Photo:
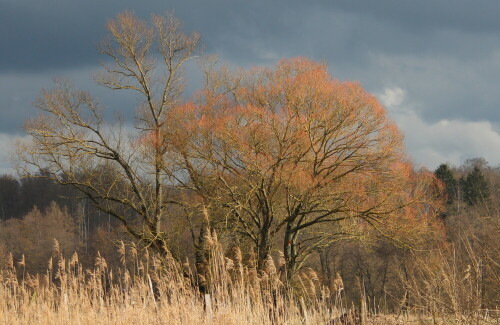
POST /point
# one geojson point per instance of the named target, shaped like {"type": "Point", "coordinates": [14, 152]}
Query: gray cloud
{"type": "Point", "coordinates": [444, 54]}
{"type": "Point", "coordinates": [463, 15]}
{"type": "Point", "coordinates": [447, 140]}
{"type": "Point", "coordinates": [57, 33]}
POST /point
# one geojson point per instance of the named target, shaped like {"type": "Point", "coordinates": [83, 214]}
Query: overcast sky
{"type": "Point", "coordinates": [435, 65]}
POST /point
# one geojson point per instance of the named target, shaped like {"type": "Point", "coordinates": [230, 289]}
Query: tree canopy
{"type": "Point", "coordinates": [287, 152]}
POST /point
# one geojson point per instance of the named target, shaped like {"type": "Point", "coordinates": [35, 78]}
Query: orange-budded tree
{"type": "Point", "coordinates": [287, 152]}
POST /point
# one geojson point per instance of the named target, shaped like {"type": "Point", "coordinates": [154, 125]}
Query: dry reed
{"type": "Point", "coordinates": [153, 290]}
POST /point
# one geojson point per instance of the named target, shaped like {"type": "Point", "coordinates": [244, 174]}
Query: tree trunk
{"type": "Point", "coordinates": [324, 258]}
{"type": "Point", "coordinates": [290, 252]}
{"type": "Point", "coordinates": [263, 247]}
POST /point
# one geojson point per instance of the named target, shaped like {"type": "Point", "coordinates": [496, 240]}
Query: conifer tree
{"type": "Point", "coordinates": [474, 187]}
{"type": "Point", "coordinates": [444, 173]}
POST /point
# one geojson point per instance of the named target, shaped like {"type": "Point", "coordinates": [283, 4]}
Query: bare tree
{"type": "Point", "coordinates": [109, 163]}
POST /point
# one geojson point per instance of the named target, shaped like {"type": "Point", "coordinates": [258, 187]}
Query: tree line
{"type": "Point", "coordinates": [471, 186]}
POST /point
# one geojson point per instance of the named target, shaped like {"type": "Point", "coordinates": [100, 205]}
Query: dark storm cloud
{"type": "Point", "coordinates": [50, 34]}
{"type": "Point", "coordinates": [45, 34]}
{"type": "Point", "coordinates": [464, 15]}
{"type": "Point", "coordinates": [62, 33]}
{"type": "Point", "coordinates": [444, 54]}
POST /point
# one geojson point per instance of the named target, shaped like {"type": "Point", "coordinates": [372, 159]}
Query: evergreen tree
{"type": "Point", "coordinates": [444, 173]}
{"type": "Point", "coordinates": [474, 187]}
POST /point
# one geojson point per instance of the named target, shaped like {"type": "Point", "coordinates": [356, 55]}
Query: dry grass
{"type": "Point", "coordinates": [147, 290]}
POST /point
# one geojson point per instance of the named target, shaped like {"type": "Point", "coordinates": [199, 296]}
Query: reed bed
{"type": "Point", "coordinates": [147, 289]}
